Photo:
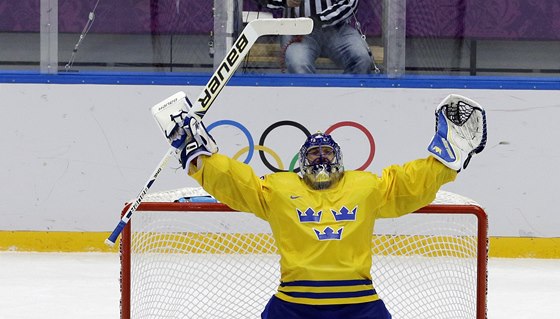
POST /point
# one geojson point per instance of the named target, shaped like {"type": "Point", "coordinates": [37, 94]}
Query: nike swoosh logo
{"type": "Point", "coordinates": [294, 197]}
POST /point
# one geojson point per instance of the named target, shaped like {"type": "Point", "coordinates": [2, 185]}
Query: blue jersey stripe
{"type": "Point", "coordinates": [326, 283]}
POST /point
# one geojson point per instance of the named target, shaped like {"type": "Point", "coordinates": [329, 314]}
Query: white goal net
{"type": "Point", "coordinates": [202, 260]}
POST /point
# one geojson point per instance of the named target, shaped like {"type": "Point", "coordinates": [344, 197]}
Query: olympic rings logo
{"type": "Point", "coordinates": [262, 148]}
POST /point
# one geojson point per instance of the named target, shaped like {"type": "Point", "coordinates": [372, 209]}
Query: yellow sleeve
{"type": "Point", "coordinates": [412, 186]}
{"type": "Point", "coordinates": [231, 182]}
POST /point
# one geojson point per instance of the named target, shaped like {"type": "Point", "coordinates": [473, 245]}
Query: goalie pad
{"type": "Point", "coordinates": [188, 136]}
{"type": "Point", "coordinates": [460, 131]}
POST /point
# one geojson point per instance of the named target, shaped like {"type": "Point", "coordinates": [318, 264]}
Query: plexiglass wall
{"type": "Point", "coordinates": [426, 37]}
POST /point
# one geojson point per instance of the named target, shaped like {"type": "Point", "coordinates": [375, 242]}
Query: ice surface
{"type": "Point", "coordinates": [85, 285]}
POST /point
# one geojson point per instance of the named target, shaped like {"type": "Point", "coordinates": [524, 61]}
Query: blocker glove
{"type": "Point", "coordinates": [183, 131]}
{"type": "Point", "coordinates": [193, 138]}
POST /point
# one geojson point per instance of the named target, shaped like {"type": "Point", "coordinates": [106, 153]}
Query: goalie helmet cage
{"type": "Point", "coordinates": [204, 260]}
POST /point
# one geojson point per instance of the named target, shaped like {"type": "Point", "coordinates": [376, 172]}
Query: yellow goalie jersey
{"type": "Point", "coordinates": [324, 237]}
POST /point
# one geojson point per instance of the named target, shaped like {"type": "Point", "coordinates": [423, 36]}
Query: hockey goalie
{"type": "Point", "coordinates": [322, 219]}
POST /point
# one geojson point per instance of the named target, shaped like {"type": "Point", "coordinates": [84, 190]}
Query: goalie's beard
{"type": "Point", "coordinates": [322, 176]}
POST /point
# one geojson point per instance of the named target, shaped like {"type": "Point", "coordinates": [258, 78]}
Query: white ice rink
{"type": "Point", "coordinates": [85, 285]}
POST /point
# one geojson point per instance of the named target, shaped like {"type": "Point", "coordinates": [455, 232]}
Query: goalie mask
{"type": "Point", "coordinates": [320, 161]}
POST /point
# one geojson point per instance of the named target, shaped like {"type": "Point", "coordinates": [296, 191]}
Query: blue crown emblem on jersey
{"type": "Point", "coordinates": [329, 234]}
{"type": "Point", "coordinates": [309, 216]}
{"type": "Point", "coordinates": [345, 214]}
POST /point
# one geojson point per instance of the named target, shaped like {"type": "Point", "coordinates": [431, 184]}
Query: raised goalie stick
{"type": "Point", "coordinates": [217, 82]}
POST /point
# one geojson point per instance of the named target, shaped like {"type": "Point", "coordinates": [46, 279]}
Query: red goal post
{"type": "Point", "coordinates": [204, 260]}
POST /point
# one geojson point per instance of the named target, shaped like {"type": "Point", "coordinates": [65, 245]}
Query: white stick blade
{"type": "Point", "coordinates": [282, 26]}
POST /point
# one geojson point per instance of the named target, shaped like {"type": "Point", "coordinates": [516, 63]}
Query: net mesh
{"type": "Point", "coordinates": [201, 264]}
